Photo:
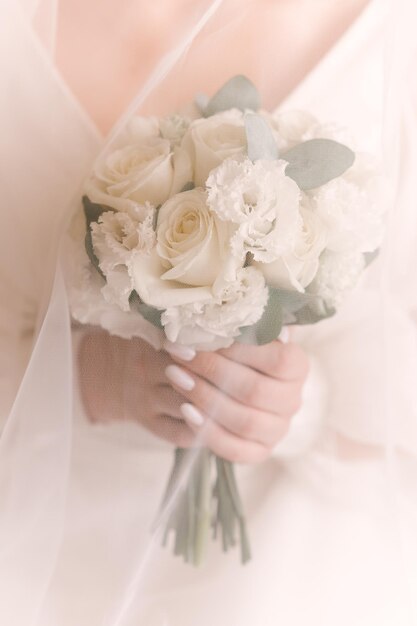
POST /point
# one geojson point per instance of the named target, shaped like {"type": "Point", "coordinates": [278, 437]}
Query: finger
{"type": "Point", "coordinates": [244, 422]}
{"type": "Point", "coordinates": [167, 401]}
{"type": "Point", "coordinates": [173, 430]}
{"type": "Point", "coordinates": [151, 364]}
{"type": "Point", "coordinates": [286, 362]}
{"type": "Point", "coordinates": [243, 384]}
{"type": "Point", "coordinates": [228, 446]}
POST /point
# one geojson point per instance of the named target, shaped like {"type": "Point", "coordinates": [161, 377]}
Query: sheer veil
{"type": "Point", "coordinates": [40, 441]}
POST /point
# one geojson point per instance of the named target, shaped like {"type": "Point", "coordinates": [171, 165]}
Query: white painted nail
{"type": "Point", "coordinates": [191, 414]}
{"type": "Point", "coordinates": [185, 353]}
{"type": "Point", "coordinates": [284, 335]}
{"type": "Point", "coordinates": [180, 378]}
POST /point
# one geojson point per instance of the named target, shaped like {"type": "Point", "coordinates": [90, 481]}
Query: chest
{"type": "Point", "coordinates": [106, 51]}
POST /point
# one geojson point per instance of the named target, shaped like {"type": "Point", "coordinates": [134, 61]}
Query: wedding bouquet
{"type": "Point", "coordinates": [220, 228]}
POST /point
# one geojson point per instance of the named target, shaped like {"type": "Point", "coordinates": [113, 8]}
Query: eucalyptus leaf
{"type": "Point", "coordinates": [269, 326]}
{"type": "Point", "coordinates": [238, 93]}
{"type": "Point", "coordinates": [370, 257]}
{"type": "Point", "coordinates": [261, 141]}
{"type": "Point", "coordinates": [292, 301]}
{"type": "Point", "coordinates": [249, 259]}
{"type": "Point", "coordinates": [308, 315]}
{"type": "Point", "coordinates": [155, 218]}
{"type": "Point", "coordinates": [92, 212]}
{"type": "Point", "coordinates": [150, 314]}
{"type": "Point", "coordinates": [188, 186]}
{"type": "Point", "coordinates": [316, 162]}
{"type": "Point", "coordinates": [201, 101]}
{"type": "Point", "coordinates": [247, 335]}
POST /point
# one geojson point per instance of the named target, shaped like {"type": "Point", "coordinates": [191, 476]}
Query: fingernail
{"type": "Point", "coordinates": [184, 353]}
{"type": "Point", "coordinates": [180, 378]}
{"type": "Point", "coordinates": [284, 335]}
{"type": "Point", "coordinates": [191, 414]}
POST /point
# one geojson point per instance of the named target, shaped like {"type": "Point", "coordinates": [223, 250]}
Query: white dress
{"type": "Point", "coordinates": [325, 551]}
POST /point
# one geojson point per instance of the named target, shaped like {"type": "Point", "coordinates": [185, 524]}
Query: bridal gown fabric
{"type": "Point", "coordinates": [332, 542]}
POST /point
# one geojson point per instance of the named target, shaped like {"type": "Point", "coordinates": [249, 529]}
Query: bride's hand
{"type": "Point", "coordinates": [239, 400]}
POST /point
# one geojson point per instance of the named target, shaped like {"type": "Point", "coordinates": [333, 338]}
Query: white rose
{"type": "Point", "coordinates": [214, 324]}
{"type": "Point", "coordinates": [147, 171]}
{"type": "Point", "coordinates": [212, 140]}
{"type": "Point", "coordinates": [192, 252]}
{"type": "Point", "coordinates": [352, 208]}
{"type": "Point", "coordinates": [170, 127]}
{"type": "Point", "coordinates": [294, 127]}
{"type": "Point", "coordinates": [338, 274]}
{"type": "Point", "coordinates": [139, 128]}
{"type": "Point", "coordinates": [262, 201]}
{"type": "Point", "coordinates": [291, 126]}
{"type": "Point", "coordinates": [297, 268]}
{"type": "Point", "coordinates": [116, 237]}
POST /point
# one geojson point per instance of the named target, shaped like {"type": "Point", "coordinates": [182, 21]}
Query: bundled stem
{"type": "Point", "coordinates": [204, 499]}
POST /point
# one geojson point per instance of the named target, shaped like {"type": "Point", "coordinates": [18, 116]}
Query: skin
{"type": "Point", "coordinates": [106, 43]}
{"type": "Point", "coordinates": [246, 395]}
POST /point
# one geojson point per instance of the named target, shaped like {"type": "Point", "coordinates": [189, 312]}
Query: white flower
{"type": "Point", "coordinates": [338, 274]}
{"type": "Point", "coordinates": [352, 208]}
{"type": "Point", "coordinates": [116, 237]}
{"type": "Point", "coordinates": [294, 127]}
{"type": "Point", "coordinates": [139, 128]}
{"type": "Point", "coordinates": [88, 306]}
{"type": "Point", "coordinates": [147, 171]}
{"type": "Point", "coordinates": [214, 324]}
{"type": "Point", "coordinates": [173, 128]}
{"type": "Point", "coordinates": [211, 140]}
{"type": "Point", "coordinates": [192, 252]}
{"type": "Point", "coordinates": [262, 201]}
{"type": "Point", "coordinates": [291, 126]}
{"type": "Point", "coordinates": [297, 268]}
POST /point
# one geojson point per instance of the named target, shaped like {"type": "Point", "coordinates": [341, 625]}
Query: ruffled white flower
{"type": "Point", "coordinates": [337, 275]}
{"type": "Point", "coordinates": [352, 208]}
{"type": "Point", "coordinates": [147, 171]}
{"type": "Point", "coordinates": [213, 324]}
{"type": "Point", "coordinates": [116, 237]}
{"type": "Point", "coordinates": [297, 268]}
{"type": "Point", "coordinates": [87, 304]}
{"type": "Point", "coordinates": [262, 201]}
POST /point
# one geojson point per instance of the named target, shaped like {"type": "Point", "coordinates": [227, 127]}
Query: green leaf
{"type": "Point", "coordinates": [370, 257]}
{"type": "Point", "coordinates": [238, 93]}
{"type": "Point", "coordinates": [188, 186]}
{"type": "Point", "coordinates": [308, 315]}
{"type": "Point", "coordinates": [155, 218]}
{"type": "Point", "coordinates": [92, 214]}
{"type": "Point", "coordinates": [261, 141]}
{"type": "Point", "coordinates": [150, 314]}
{"type": "Point", "coordinates": [201, 101]}
{"type": "Point", "coordinates": [314, 163]}
{"type": "Point", "coordinates": [92, 211]}
{"type": "Point", "coordinates": [292, 301]}
{"type": "Point", "coordinates": [269, 326]}
{"type": "Point", "coordinates": [248, 259]}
